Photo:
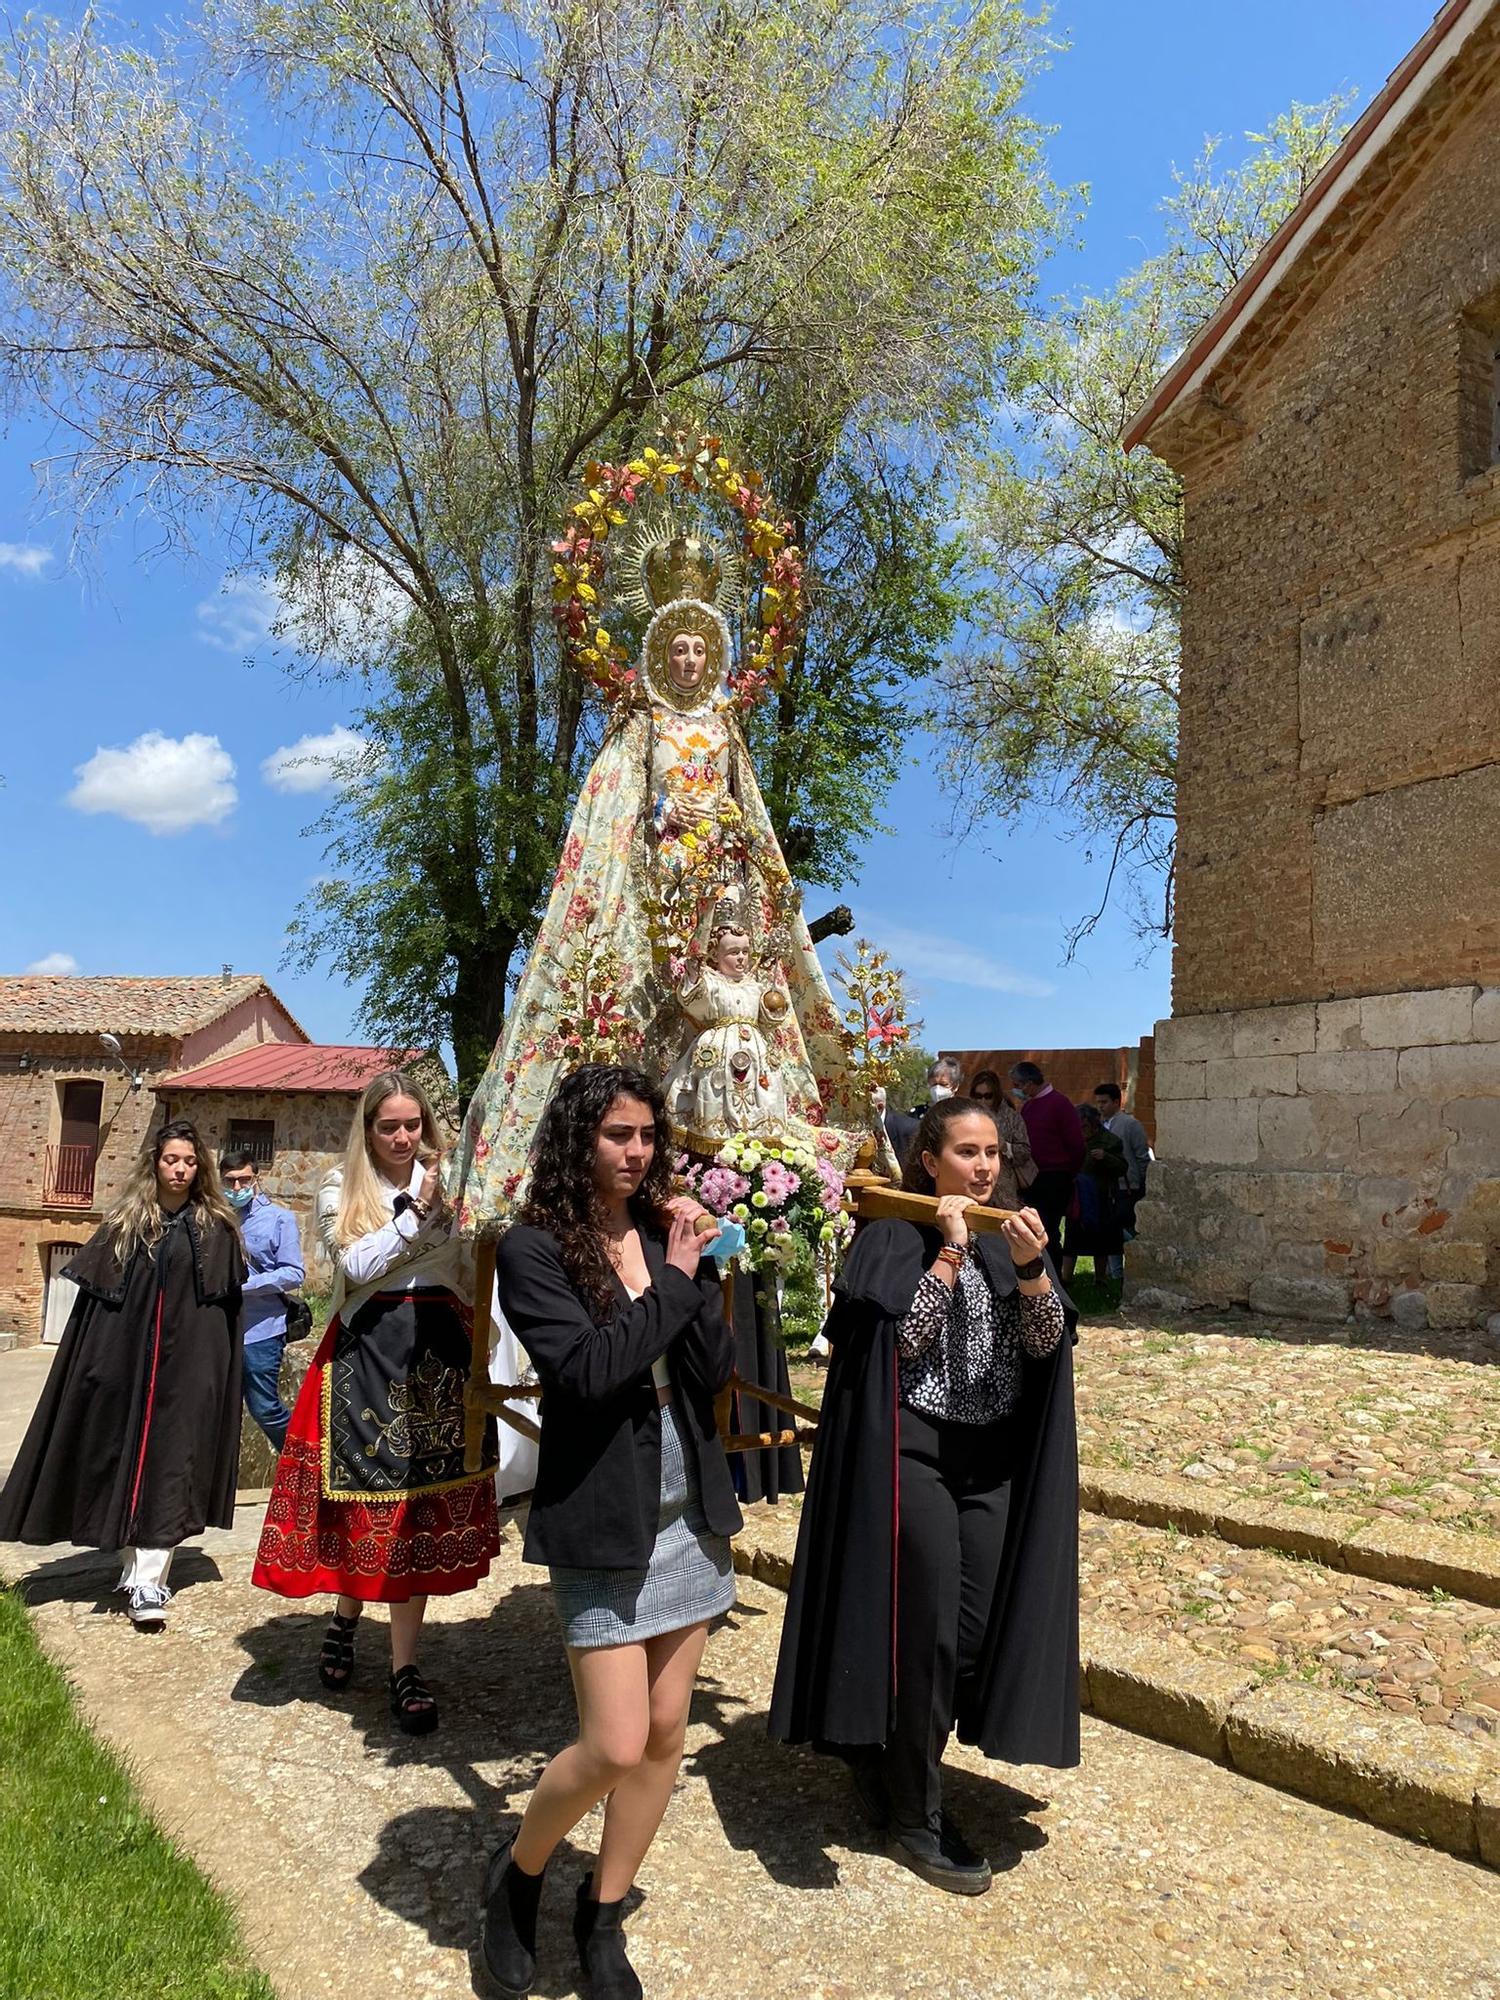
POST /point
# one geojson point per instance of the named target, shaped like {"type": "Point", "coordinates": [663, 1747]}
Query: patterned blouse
{"type": "Point", "coordinates": [960, 1352]}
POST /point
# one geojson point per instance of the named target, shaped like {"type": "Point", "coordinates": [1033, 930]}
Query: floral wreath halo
{"type": "Point", "coordinates": [776, 580]}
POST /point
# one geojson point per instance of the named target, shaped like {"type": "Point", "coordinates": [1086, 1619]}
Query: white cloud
{"type": "Point", "coordinates": [162, 783]}
{"type": "Point", "coordinates": [58, 962]}
{"type": "Point", "coordinates": [313, 763]}
{"type": "Point", "coordinates": [927, 955]}
{"type": "Point", "coordinates": [242, 616]}
{"type": "Point", "coordinates": [343, 609]}
{"type": "Point", "coordinates": [24, 558]}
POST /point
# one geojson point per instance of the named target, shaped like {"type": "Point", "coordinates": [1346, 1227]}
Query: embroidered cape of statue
{"type": "Point", "coordinates": [670, 845]}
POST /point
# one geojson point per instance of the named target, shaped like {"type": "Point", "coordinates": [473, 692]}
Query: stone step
{"type": "Point", "coordinates": [1331, 1743]}
{"type": "Point", "coordinates": [1369, 1544]}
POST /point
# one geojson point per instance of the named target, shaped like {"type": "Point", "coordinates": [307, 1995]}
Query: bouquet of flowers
{"type": "Point", "coordinates": [782, 1196]}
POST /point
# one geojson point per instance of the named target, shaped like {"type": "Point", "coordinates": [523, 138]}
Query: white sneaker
{"type": "Point", "coordinates": [148, 1606]}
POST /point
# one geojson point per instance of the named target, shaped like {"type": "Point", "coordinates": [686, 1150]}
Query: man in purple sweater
{"type": "Point", "coordinates": [1056, 1135]}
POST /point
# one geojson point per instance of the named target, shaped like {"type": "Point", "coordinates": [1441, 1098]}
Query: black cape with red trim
{"type": "Point", "coordinates": [835, 1680]}
{"type": "Point", "coordinates": [136, 1439]}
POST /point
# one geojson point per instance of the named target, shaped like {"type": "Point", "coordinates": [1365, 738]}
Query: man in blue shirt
{"type": "Point", "coordinates": [274, 1255]}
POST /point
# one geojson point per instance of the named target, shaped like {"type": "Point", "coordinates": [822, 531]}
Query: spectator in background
{"type": "Point", "coordinates": [1094, 1227]}
{"type": "Point", "coordinates": [1056, 1137]}
{"type": "Point", "coordinates": [943, 1078]}
{"type": "Point", "coordinates": [274, 1255]}
{"type": "Point", "coordinates": [1131, 1134]}
{"type": "Point", "coordinates": [1017, 1168]}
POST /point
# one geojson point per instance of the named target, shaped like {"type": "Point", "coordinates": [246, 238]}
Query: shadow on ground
{"type": "Point", "coordinates": [507, 1706]}
{"type": "Point", "coordinates": [93, 1573]}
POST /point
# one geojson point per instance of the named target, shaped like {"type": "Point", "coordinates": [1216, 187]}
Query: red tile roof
{"type": "Point", "coordinates": [54, 1004]}
{"type": "Point", "coordinates": [292, 1066]}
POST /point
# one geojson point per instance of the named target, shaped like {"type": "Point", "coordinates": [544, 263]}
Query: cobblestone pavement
{"type": "Point", "coordinates": [355, 1855]}
{"type": "Point", "coordinates": [1273, 1410]}
{"type": "Point", "coordinates": [1282, 1412]}
{"type": "Point", "coordinates": [1413, 1652]}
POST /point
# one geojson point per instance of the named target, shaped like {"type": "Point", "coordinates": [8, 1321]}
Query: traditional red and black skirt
{"type": "Point", "coordinates": [371, 1497]}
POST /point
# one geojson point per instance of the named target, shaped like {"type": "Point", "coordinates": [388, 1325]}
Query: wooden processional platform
{"type": "Point", "coordinates": [868, 1197]}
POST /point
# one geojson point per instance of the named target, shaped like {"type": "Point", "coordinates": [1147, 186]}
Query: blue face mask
{"type": "Point", "coordinates": [240, 1197]}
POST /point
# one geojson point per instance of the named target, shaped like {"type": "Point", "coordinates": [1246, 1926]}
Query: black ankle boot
{"type": "Point", "coordinates": [511, 1897]}
{"type": "Point", "coordinates": [601, 1946]}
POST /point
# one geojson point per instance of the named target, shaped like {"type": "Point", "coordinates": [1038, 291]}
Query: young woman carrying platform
{"type": "Point", "coordinates": [605, 1282]}
{"type": "Point", "coordinates": [936, 1577]}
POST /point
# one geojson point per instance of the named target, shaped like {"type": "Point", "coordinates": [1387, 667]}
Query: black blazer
{"type": "Point", "coordinates": [598, 1476]}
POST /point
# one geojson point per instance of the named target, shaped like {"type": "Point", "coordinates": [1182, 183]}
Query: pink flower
{"type": "Point", "coordinates": [779, 1184]}
{"type": "Point", "coordinates": [721, 1187]}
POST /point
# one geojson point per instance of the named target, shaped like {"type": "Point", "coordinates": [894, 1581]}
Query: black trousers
{"type": "Point", "coordinates": [1051, 1195]}
{"type": "Point", "coordinates": [955, 1496]}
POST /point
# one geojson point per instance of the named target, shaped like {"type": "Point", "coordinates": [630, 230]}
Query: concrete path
{"type": "Point", "coordinates": [355, 1856]}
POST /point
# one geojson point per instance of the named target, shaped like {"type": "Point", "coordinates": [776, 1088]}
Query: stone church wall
{"type": "Point", "coordinates": [1328, 1091]}
{"type": "Point", "coordinates": [1328, 1159]}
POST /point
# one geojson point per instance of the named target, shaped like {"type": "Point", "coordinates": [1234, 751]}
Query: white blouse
{"type": "Point", "coordinates": [403, 1255]}
{"type": "Point", "coordinates": [660, 1374]}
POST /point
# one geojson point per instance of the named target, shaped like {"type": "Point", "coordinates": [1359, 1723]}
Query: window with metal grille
{"type": "Point", "coordinates": [256, 1135]}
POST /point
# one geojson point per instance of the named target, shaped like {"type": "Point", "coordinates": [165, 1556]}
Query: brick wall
{"type": "Point", "coordinates": [1076, 1071]}
{"type": "Point", "coordinates": [1339, 767]}
{"type": "Point", "coordinates": [30, 1110]}
{"type": "Point", "coordinates": [311, 1130]}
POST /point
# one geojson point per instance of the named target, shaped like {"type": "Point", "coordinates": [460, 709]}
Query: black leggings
{"type": "Point", "coordinates": [955, 1496]}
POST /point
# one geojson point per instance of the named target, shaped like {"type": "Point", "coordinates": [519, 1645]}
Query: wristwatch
{"type": "Point", "coordinates": [1026, 1272]}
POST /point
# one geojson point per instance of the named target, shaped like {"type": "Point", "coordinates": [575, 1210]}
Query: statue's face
{"type": "Point", "coordinates": [732, 957]}
{"type": "Point", "coordinates": [687, 660]}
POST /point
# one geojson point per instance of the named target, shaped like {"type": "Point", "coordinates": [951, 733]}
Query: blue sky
{"type": "Point", "coordinates": [132, 642]}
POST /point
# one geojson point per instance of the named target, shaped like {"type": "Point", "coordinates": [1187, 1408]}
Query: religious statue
{"type": "Point", "coordinates": [728, 1080]}
{"type": "Point", "coordinates": [670, 831]}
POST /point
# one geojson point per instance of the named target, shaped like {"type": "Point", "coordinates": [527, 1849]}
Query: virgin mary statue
{"type": "Point", "coordinates": [673, 933]}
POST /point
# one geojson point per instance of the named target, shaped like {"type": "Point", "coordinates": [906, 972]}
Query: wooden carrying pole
{"type": "Point", "coordinates": [875, 1199]}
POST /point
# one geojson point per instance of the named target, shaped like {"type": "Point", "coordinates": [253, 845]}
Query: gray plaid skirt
{"type": "Point", "coordinates": [689, 1578]}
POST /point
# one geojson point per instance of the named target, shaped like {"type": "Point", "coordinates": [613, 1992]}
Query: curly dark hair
{"type": "Point", "coordinates": [563, 1198]}
{"type": "Point", "coordinates": [929, 1139]}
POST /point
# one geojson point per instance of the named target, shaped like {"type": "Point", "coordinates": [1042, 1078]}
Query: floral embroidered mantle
{"type": "Point", "coordinates": [668, 817]}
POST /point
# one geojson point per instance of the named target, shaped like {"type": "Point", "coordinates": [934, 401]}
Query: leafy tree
{"type": "Point", "coordinates": [1066, 701]}
{"type": "Point", "coordinates": [368, 282]}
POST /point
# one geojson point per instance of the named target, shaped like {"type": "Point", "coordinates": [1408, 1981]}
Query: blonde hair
{"type": "Point", "coordinates": [361, 1208]}
{"type": "Point", "coordinates": [138, 1217]}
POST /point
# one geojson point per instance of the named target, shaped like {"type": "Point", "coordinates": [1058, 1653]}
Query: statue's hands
{"type": "Point", "coordinates": [683, 815]}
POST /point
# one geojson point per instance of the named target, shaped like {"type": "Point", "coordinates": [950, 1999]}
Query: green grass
{"type": "Point", "coordinates": [95, 1902]}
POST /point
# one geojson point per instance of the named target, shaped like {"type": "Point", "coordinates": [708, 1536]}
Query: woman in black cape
{"type": "Point", "coordinates": [135, 1442]}
{"type": "Point", "coordinates": [936, 1578]}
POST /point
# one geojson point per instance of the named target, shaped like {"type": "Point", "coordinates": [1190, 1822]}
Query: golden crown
{"type": "Point", "coordinates": [682, 567]}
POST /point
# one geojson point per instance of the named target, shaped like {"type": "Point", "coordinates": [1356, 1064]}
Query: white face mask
{"type": "Point", "coordinates": [936, 1092]}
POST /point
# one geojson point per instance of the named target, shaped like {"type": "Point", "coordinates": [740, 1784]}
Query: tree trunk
{"type": "Point", "coordinates": [477, 1009]}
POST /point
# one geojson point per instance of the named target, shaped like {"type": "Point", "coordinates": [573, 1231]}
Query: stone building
{"type": "Point", "coordinates": [291, 1104]}
{"type": "Point", "coordinates": [1328, 1088]}
{"type": "Point", "coordinates": [73, 1115]}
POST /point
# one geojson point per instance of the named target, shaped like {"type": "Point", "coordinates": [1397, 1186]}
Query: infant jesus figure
{"type": "Point", "coordinates": [728, 1080]}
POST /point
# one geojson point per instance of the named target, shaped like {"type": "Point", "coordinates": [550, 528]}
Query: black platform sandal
{"type": "Point", "coordinates": [412, 1703]}
{"type": "Point", "coordinates": [336, 1659]}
